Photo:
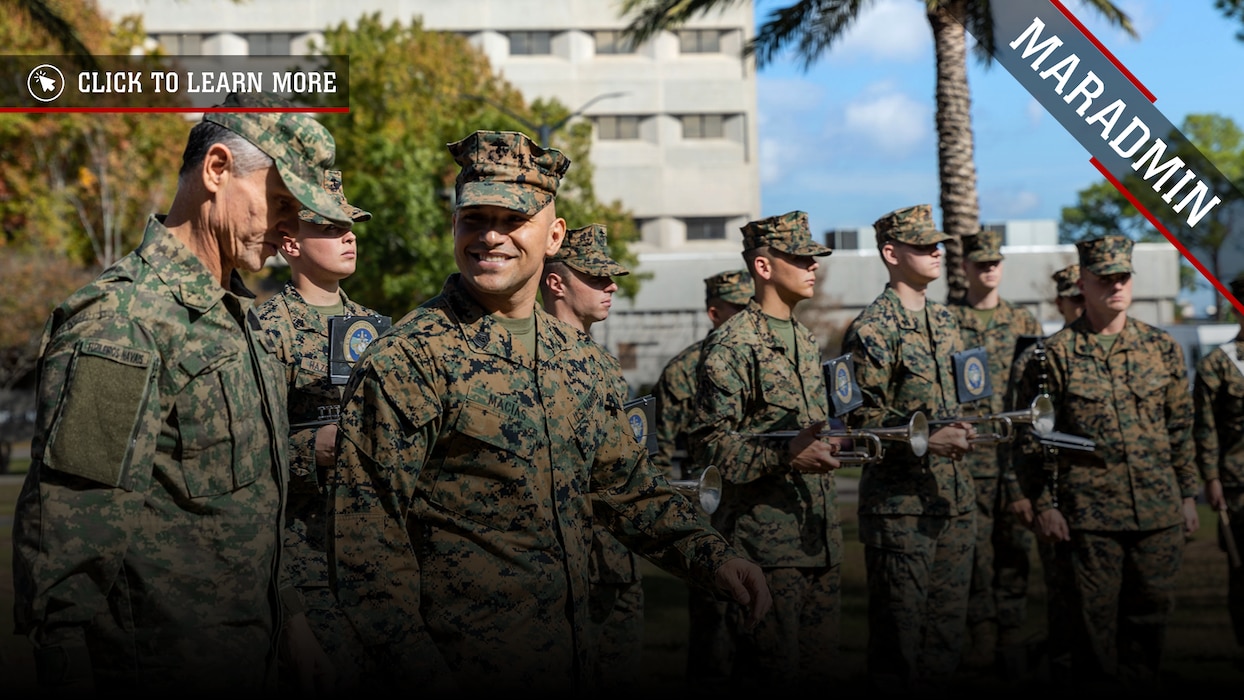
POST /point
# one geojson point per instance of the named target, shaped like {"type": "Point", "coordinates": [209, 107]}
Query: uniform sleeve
{"type": "Point", "coordinates": [721, 406]}
{"type": "Point", "coordinates": [1179, 420]}
{"type": "Point", "coordinates": [99, 417]}
{"type": "Point", "coordinates": [671, 413]}
{"type": "Point", "coordinates": [390, 416]}
{"type": "Point", "coordinates": [1205, 423]}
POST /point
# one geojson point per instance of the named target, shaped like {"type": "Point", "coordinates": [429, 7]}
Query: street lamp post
{"type": "Point", "coordinates": [545, 131]}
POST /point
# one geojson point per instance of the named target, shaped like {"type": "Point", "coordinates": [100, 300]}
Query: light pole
{"type": "Point", "coordinates": [545, 131]}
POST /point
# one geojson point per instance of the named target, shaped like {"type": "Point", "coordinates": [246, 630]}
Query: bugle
{"type": "Point", "coordinates": [1039, 414]}
{"type": "Point", "coordinates": [704, 491]}
{"type": "Point", "coordinates": [915, 434]}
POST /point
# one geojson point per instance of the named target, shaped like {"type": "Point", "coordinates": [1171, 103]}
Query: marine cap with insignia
{"type": "Point", "coordinates": [911, 225]}
{"type": "Point", "coordinates": [300, 146]}
{"type": "Point", "coordinates": [587, 250]}
{"type": "Point", "coordinates": [506, 169]}
{"type": "Point", "coordinates": [732, 286]}
{"type": "Point", "coordinates": [1065, 281]}
{"type": "Point", "coordinates": [985, 246]}
{"type": "Point", "coordinates": [332, 185]}
{"type": "Point", "coordinates": [1107, 255]}
{"type": "Point", "coordinates": [788, 233]}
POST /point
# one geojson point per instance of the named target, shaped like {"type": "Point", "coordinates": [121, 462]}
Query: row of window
{"type": "Point", "coordinates": [612, 41]}
{"type": "Point", "coordinates": [625, 127]}
{"type": "Point", "coordinates": [527, 43]}
{"type": "Point", "coordinates": [849, 238]}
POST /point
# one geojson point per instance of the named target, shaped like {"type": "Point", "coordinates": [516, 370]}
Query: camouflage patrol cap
{"type": "Point", "coordinates": [912, 225]}
{"type": "Point", "coordinates": [506, 169]}
{"type": "Point", "coordinates": [788, 233]}
{"type": "Point", "coordinates": [1065, 281]}
{"type": "Point", "coordinates": [301, 147]}
{"type": "Point", "coordinates": [587, 250]}
{"type": "Point", "coordinates": [733, 286]}
{"type": "Point", "coordinates": [1107, 255]}
{"type": "Point", "coordinates": [985, 246]}
{"type": "Point", "coordinates": [332, 185]}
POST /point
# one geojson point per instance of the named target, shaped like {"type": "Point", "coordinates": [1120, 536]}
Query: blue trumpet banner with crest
{"type": "Point", "coordinates": [348, 337]}
{"type": "Point", "coordinates": [844, 393]}
{"type": "Point", "coordinates": [972, 381]}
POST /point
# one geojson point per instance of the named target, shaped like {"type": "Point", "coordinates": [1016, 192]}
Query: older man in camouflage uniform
{"type": "Point", "coordinates": [147, 534]}
{"type": "Point", "coordinates": [577, 287]}
{"type": "Point", "coordinates": [726, 293]}
{"type": "Point", "coordinates": [321, 253]}
{"type": "Point", "coordinates": [917, 517]}
{"type": "Point", "coordinates": [999, 587]}
{"type": "Point", "coordinates": [472, 436]}
{"type": "Point", "coordinates": [1218, 397]}
{"type": "Point", "coordinates": [1126, 507]}
{"type": "Point", "coordinates": [1019, 496]}
{"type": "Point", "coordinates": [760, 372]}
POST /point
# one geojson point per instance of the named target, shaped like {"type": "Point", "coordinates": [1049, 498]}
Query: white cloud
{"type": "Point", "coordinates": [890, 121]}
{"type": "Point", "coordinates": [1010, 204]}
{"type": "Point", "coordinates": [1035, 112]}
{"type": "Point", "coordinates": [895, 30]}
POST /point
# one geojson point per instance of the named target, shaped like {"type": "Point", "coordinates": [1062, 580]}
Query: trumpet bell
{"type": "Point", "coordinates": [918, 431]}
{"type": "Point", "coordinates": [1043, 415]}
{"type": "Point", "coordinates": [704, 491]}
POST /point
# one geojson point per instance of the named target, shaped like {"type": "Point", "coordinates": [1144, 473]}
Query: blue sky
{"type": "Point", "coordinates": [853, 137]}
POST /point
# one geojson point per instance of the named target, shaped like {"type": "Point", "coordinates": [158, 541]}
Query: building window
{"type": "Point", "coordinates": [612, 42]}
{"type": "Point", "coordinates": [181, 44]}
{"type": "Point", "coordinates": [699, 41]}
{"type": "Point", "coordinates": [617, 128]}
{"type": "Point", "coordinates": [268, 44]}
{"type": "Point", "coordinates": [711, 228]}
{"type": "Point", "coordinates": [530, 43]}
{"type": "Point", "coordinates": [703, 126]}
{"type": "Point", "coordinates": [843, 238]}
{"type": "Point", "coordinates": [628, 355]}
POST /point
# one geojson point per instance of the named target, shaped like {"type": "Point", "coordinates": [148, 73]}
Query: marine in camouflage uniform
{"type": "Point", "coordinates": [999, 589]}
{"type": "Point", "coordinates": [1019, 496]}
{"type": "Point", "coordinates": [473, 435]}
{"type": "Point", "coordinates": [576, 287]}
{"type": "Point", "coordinates": [916, 514]}
{"type": "Point", "coordinates": [1126, 507]}
{"type": "Point", "coordinates": [709, 649]}
{"type": "Point", "coordinates": [1218, 398]}
{"type": "Point", "coordinates": [299, 331]}
{"type": "Point", "coordinates": [146, 536]}
{"type": "Point", "coordinates": [760, 372]}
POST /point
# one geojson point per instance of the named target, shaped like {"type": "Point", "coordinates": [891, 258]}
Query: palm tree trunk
{"type": "Point", "coordinates": [955, 163]}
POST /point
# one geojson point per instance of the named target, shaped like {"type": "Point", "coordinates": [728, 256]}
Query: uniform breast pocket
{"type": "Point", "coordinates": [917, 379]}
{"type": "Point", "coordinates": [782, 402]}
{"type": "Point", "coordinates": [1150, 392]}
{"type": "Point", "coordinates": [1087, 407]}
{"type": "Point", "coordinates": [1231, 403]}
{"type": "Point", "coordinates": [220, 420]}
{"type": "Point", "coordinates": [486, 472]}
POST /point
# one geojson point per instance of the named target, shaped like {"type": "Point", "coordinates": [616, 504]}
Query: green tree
{"type": "Point", "coordinates": [412, 91]}
{"type": "Point", "coordinates": [811, 28]}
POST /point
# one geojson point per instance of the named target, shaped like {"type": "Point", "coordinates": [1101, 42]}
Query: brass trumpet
{"type": "Point", "coordinates": [704, 491]}
{"type": "Point", "coordinates": [1039, 414]}
{"type": "Point", "coordinates": [915, 434]}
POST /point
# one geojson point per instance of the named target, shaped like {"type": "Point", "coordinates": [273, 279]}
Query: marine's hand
{"type": "Point", "coordinates": [952, 440]}
{"type": "Point", "coordinates": [326, 445]}
{"type": "Point", "coordinates": [1022, 510]}
{"type": "Point", "coordinates": [311, 666]}
{"type": "Point", "coordinates": [1051, 526]}
{"type": "Point", "coordinates": [1192, 521]}
{"type": "Point", "coordinates": [1213, 495]}
{"type": "Point", "coordinates": [810, 453]}
{"type": "Point", "coordinates": [744, 582]}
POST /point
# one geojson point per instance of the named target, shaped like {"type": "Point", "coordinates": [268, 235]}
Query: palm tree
{"type": "Point", "coordinates": [46, 15]}
{"type": "Point", "coordinates": [812, 26]}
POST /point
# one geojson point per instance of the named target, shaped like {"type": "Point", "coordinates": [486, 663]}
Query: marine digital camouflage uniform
{"type": "Point", "coordinates": [616, 607]}
{"type": "Point", "coordinates": [916, 513]}
{"type": "Point", "coordinates": [300, 334]}
{"type": "Point", "coordinates": [709, 647]}
{"type": "Point", "coordinates": [1122, 503]}
{"type": "Point", "coordinates": [461, 513]}
{"type": "Point", "coordinates": [999, 589]}
{"type": "Point", "coordinates": [1218, 399]}
{"type": "Point", "coordinates": [784, 520]}
{"type": "Point", "coordinates": [144, 499]}
{"type": "Point", "coordinates": [146, 537]}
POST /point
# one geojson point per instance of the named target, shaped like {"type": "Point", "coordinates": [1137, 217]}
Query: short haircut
{"type": "Point", "coordinates": [247, 158]}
